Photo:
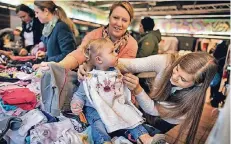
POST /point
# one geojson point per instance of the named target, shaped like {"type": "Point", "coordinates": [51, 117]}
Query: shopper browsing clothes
{"type": "Point", "coordinates": [58, 33]}
{"type": "Point", "coordinates": [31, 28]}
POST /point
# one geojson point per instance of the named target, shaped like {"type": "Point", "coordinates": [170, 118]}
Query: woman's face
{"type": "Point", "coordinates": [181, 79]}
{"type": "Point", "coordinates": [24, 16]}
{"type": "Point", "coordinates": [41, 15]}
{"type": "Point", "coordinates": [119, 21]}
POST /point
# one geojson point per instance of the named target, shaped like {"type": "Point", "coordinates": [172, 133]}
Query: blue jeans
{"type": "Point", "coordinates": [99, 132]}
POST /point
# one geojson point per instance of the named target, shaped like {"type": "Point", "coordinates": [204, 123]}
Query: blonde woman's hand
{"type": "Point", "coordinates": [35, 66]}
{"type": "Point", "coordinates": [132, 82]}
{"type": "Point", "coordinates": [40, 54]}
{"type": "Point", "coordinates": [43, 66]}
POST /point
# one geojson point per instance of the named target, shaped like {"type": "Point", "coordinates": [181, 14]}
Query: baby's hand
{"type": "Point", "coordinates": [76, 107]}
{"type": "Point", "coordinates": [83, 69]}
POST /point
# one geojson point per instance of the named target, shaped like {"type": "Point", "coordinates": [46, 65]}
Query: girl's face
{"type": "Point", "coordinates": [181, 79]}
{"type": "Point", "coordinates": [41, 15]}
{"type": "Point", "coordinates": [24, 16]}
{"type": "Point", "coordinates": [119, 21]}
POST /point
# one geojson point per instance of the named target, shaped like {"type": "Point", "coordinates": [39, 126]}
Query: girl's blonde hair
{"type": "Point", "coordinates": [94, 47]}
{"type": "Point", "coordinates": [187, 102]}
{"type": "Point", "coordinates": [58, 11]}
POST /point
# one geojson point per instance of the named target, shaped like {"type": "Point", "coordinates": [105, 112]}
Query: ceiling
{"type": "Point", "coordinates": [161, 7]}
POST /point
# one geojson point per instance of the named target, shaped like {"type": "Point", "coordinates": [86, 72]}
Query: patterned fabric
{"type": "Point", "coordinates": [61, 132]}
{"type": "Point", "coordinates": [29, 26]}
{"type": "Point", "coordinates": [112, 100]}
{"type": "Point", "coordinates": [49, 27]}
{"type": "Point", "coordinates": [119, 43]}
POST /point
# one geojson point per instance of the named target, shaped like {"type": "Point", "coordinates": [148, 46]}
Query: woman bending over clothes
{"type": "Point", "coordinates": [31, 29]}
{"type": "Point", "coordinates": [58, 32]}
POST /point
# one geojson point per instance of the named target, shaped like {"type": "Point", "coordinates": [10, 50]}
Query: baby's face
{"type": "Point", "coordinates": [109, 56]}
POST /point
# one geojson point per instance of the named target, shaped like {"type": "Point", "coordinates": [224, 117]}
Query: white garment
{"type": "Point", "coordinates": [168, 45]}
{"type": "Point", "coordinates": [112, 100]}
{"type": "Point", "coordinates": [29, 38]}
{"type": "Point", "coordinates": [220, 133]}
{"type": "Point", "coordinates": [30, 119]}
{"type": "Point", "coordinates": [23, 76]}
{"type": "Point", "coordinates": [120, 140]}
{"type": "Point", "coordinates": [61, 132]}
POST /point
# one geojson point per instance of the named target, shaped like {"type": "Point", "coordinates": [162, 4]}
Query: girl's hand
{"type": "Point", "coordinates": [132, 82]}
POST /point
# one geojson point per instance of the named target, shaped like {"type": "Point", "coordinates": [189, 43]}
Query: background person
{"type": "Point", "coordinates": [148, 43]}
{"type": "Point", "coordinates": [31, 28]}
{"type": "Point", "coordinates": [58, 32]}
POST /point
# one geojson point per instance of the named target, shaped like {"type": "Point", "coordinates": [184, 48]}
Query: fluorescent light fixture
{"type": "Point", "coordinates": [168, 16]}
{"type": "Point", "coordinates": [190, 16]}
{"type": "Point", "coordinates": [13, 2]}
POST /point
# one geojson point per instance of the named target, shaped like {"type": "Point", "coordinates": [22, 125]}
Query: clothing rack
{"type": "Point", "coordinates": [198, 36]}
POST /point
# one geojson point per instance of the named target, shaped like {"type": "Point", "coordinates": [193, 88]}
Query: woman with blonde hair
{"type": "Point", "coordinates": [58, 32]}
{"type": "Point", "coordinates": [178, 92]}
{"type": "Point", "coordinates": [120, 17]}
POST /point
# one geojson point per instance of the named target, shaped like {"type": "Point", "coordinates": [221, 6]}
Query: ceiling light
{"type": "Point", "coordinates": [168, 16]}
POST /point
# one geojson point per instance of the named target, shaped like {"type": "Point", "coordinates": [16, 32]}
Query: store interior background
{"type": "Point", "coordinates": [209, 19]}
{"type": "Point", "coordinates": [191, 19]}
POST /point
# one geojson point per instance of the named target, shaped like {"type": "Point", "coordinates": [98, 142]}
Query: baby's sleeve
{"type": "Point", "coordinates": [80, 95]}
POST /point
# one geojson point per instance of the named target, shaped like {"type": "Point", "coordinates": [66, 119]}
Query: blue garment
{"type": "Point", "coordinates": [59, 43]}
{"type": "Point", "coordinates": [138, 131]}
{"type": "Point", "coordinates": [50, 118]}
{"type": "Point", "coordinates": [57, 83]}
{"type": "Point", "coordinates": [98, 130]}
{"type": "Point", "coordinates": [7, 107]}
{"type": "Point", "coordinates": [27, 139]}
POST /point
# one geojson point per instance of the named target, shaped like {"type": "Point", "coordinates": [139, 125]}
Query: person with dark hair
{"type": "Point", "coordinates": [148, 43]}
{"type": "Point", "coordinates": [31, 28]}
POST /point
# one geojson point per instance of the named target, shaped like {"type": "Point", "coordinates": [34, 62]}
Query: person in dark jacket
{"type": "Point", "coordinates": [148, 43]}
{"type": "Point", "coordinates": [58, 32]}
{"type": "Point", "coordinates": [31, 28]}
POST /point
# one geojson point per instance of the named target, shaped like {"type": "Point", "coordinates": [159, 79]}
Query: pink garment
{"type": "Point", "coordinates": [2, 67]}
{"type": "Point", "coordinates": [20, 97]}
{"type": "Point", "coordinates": [38, 47]}
{"type": "Point", "coordinates": [23, 58]}
{"type": "Point", "coordinates": [129, 51]}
